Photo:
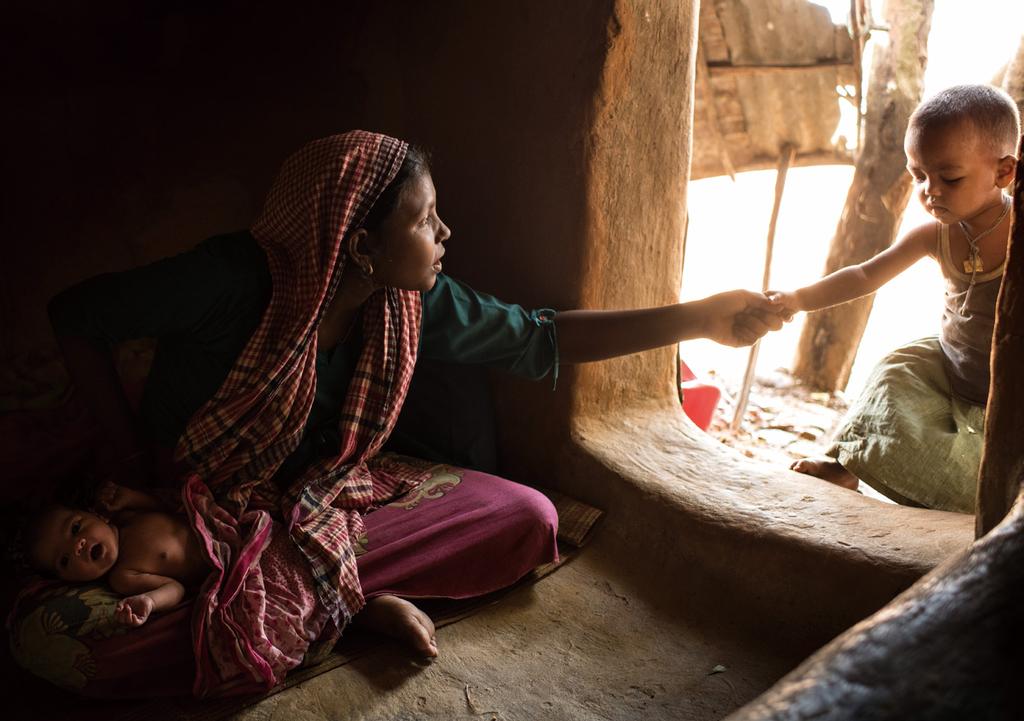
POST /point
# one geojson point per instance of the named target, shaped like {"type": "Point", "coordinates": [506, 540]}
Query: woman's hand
{"type": "Point", "coordinates": [739, 317]}
{"type": "Point", "coordinates": [134, 610]}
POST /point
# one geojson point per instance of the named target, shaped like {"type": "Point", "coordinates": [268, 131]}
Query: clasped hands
{"type": "Point", "coordinates": [741, 317]}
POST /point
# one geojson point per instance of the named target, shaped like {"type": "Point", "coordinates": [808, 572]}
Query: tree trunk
{"type": "Point", "coordinates": [1002, 461]}
{"type": "Point", "coordinates": [1013, 80]}
{"type": "Point", "coordinates": [877, 195]}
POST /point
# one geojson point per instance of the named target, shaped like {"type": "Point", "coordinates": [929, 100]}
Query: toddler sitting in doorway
{"type": "Point", "coordinates": [916, 432]}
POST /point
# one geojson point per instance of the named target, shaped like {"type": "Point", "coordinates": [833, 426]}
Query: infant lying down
{"type": "Point", "coordinates": [256, 613]}
{"type": "Point", "coordinates": [151, 556]}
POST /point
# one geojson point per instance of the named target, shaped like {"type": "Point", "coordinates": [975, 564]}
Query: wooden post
{"type": "Point", "coordinates": [860, 23]}
{"type": "Point", "coordinates": [786, 157]}
{"type": "Point", "coordinates": [1013, 78]}
{"type": "Point", "coordinates": [711, 111]}
{"type": "Point", "coordinates": [773, 68]}
{"type": "Point", "coordinates": [1002, 461]}
{"type": "Point", "coordinates": [878, 193]}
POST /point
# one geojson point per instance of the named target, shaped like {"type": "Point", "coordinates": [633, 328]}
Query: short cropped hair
{"type": "Point", "coordinates": [991, 112]}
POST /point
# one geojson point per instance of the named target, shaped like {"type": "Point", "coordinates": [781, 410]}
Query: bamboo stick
{"type": "Point", "coordinates": [785, 159]}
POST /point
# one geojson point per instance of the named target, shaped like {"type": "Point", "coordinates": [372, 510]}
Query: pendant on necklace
{"type": "Point", "coordinates": [974, 265]}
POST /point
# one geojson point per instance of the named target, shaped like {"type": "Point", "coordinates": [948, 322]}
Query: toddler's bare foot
{"type": "Point", "coordinates": [396, 617]}
{"type": "Point", "coordinates": [826, 469]}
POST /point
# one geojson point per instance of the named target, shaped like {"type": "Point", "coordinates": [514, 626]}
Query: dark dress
{"type": "Point", "coordinates": [203, 305]}
{"type": "Point", "coordinates": [461, 533]}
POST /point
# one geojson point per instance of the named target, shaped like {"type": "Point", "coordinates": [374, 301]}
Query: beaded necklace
{"type": "Point", "coordinates": [974, 265]}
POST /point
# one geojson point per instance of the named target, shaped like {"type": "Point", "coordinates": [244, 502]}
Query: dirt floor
{"type": "Point", "coordinates": [583, 643]}
{"type": "Point", "coordinates": [783, 422]}
{"type": "Point", "coordinates": [578, 645]}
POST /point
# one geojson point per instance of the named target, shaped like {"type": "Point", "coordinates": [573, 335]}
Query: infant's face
{"type": "Point", "coordinates": [75, 545]}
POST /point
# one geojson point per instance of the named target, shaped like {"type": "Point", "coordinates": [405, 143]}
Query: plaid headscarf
{"type": "Point", "coordinates": [237, 440]}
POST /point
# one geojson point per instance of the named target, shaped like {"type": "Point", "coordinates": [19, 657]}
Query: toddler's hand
{"type": "Point", "coordinates": [786, 303]}
{"type": "Point", "coordinates": [134, 610]}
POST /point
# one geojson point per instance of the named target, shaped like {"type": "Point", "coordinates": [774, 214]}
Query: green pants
{"type": "Point", "coordinates": [909, 438]}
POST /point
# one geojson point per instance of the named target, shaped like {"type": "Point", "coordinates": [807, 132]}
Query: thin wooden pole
{"type": "Point", "coordinates": [858, 9]}
{"type": "Point", "coordinates": [717, 71]}
{"type": "Point", "coordinates": [786, 157]}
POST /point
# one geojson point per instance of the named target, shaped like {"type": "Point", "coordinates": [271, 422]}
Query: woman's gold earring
{"type": "Point", "coordinates": [367, 269]}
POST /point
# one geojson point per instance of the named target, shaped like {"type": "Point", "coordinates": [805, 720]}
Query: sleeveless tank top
{"type": "Point", "coordinates": [967, 322]}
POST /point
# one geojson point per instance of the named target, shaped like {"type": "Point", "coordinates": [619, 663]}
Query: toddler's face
{"type": "Point", "coordinates": [75, 545]}
{"type": "Point", "coordinates": [955, 175]}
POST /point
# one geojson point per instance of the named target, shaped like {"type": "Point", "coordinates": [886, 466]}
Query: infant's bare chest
{"type": "Point", "coordinates": [158, 543]}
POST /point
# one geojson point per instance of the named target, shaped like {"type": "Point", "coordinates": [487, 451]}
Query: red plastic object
{"type": "Point", "coordinates": [699, 399]}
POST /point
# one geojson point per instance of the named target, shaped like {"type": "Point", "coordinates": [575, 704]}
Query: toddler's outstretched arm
{"type": "Point", "coordinates": [149, 592]}
{"type": "Point", "coordinates": [855, 281]}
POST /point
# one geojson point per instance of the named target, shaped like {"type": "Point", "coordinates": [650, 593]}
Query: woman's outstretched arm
{"type": "Point", "coordinates": [735, 318]}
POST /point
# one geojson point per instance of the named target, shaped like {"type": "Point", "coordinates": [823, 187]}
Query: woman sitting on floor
{"type": "Point", "coordinates": [284, 355]}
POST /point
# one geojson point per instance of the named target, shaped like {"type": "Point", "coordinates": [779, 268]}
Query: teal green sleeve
{"type": "Point", "coordinates": [203, 294]}
{"type": "Point", "coordinates": [201, 306]}
{"type": "Point", "coordinates": [463, 326]}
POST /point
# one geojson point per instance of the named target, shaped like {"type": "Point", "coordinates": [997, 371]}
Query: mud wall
{"type": "Point", "coordinates": [559, 131]}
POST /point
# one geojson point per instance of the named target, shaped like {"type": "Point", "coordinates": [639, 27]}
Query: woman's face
{"type": "Point", "coordinates": [409, 243]}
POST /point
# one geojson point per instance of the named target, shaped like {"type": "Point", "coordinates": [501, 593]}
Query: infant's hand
{"type": "Point", "coordinates": [110, 497]}
{"type": "Point", "coordinates": [134, 610]}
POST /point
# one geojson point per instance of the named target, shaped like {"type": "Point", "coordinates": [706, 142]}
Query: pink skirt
{"type": "Point", "coordinates": [461, 534]}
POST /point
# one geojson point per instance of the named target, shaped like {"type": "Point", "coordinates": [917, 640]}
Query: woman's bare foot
{"type": "Point", "coordinates": [396, 617]}
{"type": "Point", "coordinates": [826, 469]}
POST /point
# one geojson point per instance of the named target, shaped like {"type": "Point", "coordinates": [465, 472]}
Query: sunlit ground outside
{"type": "Point", "coordinates": [969, 42]}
